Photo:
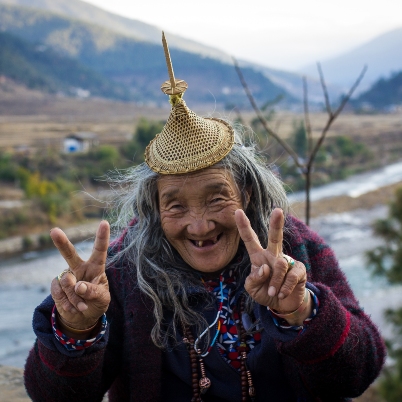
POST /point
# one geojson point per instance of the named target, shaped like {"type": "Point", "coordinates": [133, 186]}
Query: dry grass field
{"type": "Point", "coordinates": [33, 119]}
{"type": "Point", "coordinates": [37, 120]}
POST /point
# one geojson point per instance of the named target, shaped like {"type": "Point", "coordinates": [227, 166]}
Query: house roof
{"type": "Point", "coordinates": [82, 136]}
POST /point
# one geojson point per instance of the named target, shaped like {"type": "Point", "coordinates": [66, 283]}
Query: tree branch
{"type": "Point", "coordinates": [288, 149]}
{"type": "Point", "coordinates": [333, 116]}
{"type": "Point", "coordinates": [306, 169]}
{"type": "Point", "coordinates": [324, 89]}
{"type": "Point", "coordinates": [307, 118]}
{"type": "Point", "coordinates": [346, 98]}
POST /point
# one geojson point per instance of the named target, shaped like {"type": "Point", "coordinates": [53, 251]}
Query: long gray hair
{"type": "Point", "coordinates": [160, 272]}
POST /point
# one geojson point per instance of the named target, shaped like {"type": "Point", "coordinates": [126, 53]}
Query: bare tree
{"type": "Point", "coordinates": [306, 167]}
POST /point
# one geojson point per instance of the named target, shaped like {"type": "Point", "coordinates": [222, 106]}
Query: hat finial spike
{"type": "Point", "coordinates": [173, 86]}
{"type": "Point", "coordinates": [168, 61]}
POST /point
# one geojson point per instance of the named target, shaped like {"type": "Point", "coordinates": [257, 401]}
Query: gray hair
{"type": "Point", "coordinates": [160, 272]}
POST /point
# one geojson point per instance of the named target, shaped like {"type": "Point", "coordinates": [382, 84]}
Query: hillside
{"type": "Point", "coordinates": [43, 69]}
{"type": "Point", "coordinates": [138, 65]}
{"type": "Point", "coordinates": [385, 93]}
{"type": "Point", "coordinates": [138, 30]}
{"type": "Point", "coordinates": [382, 55]}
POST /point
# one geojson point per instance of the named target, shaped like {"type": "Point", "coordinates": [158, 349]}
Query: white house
{"type": "Point", "coordinates": [80, 142]}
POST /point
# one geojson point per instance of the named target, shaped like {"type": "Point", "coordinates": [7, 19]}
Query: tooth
{"type": "Point", "coordinates": [200, 243]}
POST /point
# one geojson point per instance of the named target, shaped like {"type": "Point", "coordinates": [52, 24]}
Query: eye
{"type": "Point", "coordinates": [216, 200]}
{"type": "Point", "coordinates": [175, 207]}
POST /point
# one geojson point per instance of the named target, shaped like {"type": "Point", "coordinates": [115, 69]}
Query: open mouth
{"type": "Point", "coordinates": [206, 242]}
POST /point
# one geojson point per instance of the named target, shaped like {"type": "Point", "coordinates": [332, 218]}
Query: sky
{"type": "Point", "coordinates": [285, 34]}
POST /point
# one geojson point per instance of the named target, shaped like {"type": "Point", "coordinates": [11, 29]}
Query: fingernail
{"type": "Point", "coordinates": [73, 311]}
{"type": "Point", "coordinates": [281, 295]}
{"type": "Point", "coordinates": [271, 291]}
{"type": "Point", "coordinates": [81, 288]}
{"type": "Point", "coordinates": [261, 271]}
{"type": "Point", "coordinates": [82, 306]}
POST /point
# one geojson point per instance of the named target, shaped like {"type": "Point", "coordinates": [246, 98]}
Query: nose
{"type": "Point", "coordinates": [199, 225]}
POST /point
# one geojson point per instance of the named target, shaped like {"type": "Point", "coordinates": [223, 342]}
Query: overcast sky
{"type": "Point", "coordinates": [282, 33]}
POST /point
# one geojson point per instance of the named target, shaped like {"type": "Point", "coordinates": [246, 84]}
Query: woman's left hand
{"type": "Point", "coordinates": [271, 281]}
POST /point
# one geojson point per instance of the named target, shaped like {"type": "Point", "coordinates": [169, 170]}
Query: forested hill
{"type": "Point", "coordinates": [139, 30]}
{"type": "Point", "coordinates": [384, 94]}
{"type": "Point", "coordinates": [40, 68]}
{"type": "Point", "coordinates": [138, 65]}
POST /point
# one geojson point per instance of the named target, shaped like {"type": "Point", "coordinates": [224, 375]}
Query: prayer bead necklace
{"type": "Point", "coordinates": [202, 385]}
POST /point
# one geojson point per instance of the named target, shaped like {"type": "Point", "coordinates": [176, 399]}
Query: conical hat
{"type": "Point", "coordinates": [187, 142]}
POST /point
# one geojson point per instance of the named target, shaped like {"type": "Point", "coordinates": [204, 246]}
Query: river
{"type": "Point", "coordinates": [25, 280]}
{"type": "Point", "coordinates": [356, 185]}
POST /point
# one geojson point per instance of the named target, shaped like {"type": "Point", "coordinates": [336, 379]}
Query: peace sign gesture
{"type": "Point", "coordinates": [272, 282]}
{"type": "Point", "coordinates": [81, 293]}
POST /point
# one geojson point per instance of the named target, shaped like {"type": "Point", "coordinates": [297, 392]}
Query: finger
{"type": "Point", "coordinates": [65, 247]}
{"type": "Point", "coordinates": [94, 292]}
{"type": "Point", "coordinates": [259, 275]}
{"type": "Point", "coordinates": [279, 272]}
{"type": "Point", "coordinates": [295, 276]}
{"type": "Point", "coordinates": [101, 244]}
{"type": "Point", "coordinates": [67, 283]}
{"type": "Point", "coordinates": [275, 233]}
{"type": "Point", "coordinates": [247, 233]}
{"type": "Point", "coordinates": [61, 299]}
{"type": "Point", "coordinates": [257, 279]}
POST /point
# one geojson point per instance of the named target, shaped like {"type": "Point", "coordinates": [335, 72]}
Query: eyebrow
{"type": "Point", "coordinates": [169, 195]}
{"type": "Point", "coordinates": [166, 197]}
{"type": "Point", "coordinates": [216, 186]}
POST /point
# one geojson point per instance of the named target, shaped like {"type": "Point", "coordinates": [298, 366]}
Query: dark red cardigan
{"type": "Point", "coordinates": [337, 357]}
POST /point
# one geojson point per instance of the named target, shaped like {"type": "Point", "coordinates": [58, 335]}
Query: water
{"type": "Point", "coordinates": [349, 234]}
{"type": "Point", "coordinates": [356, 185]}
{"type": "Point", "coordinates": [24, 283]}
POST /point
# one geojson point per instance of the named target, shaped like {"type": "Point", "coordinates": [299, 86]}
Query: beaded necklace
{"type": "Point", "coordinates": [218, 328]}
{"type": "Point", "coordinates": [202, 385]}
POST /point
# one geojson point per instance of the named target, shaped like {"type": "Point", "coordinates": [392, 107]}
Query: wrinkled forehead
{"type": "Point", "coordinates": [206, 180]}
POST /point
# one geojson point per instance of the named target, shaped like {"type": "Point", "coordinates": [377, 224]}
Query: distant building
{"type": "Point", "coordinates": [80, 142]}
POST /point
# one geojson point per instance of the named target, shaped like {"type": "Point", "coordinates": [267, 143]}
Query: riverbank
{"type": "Point", "coordinates": [39, 241]}
{"type": "Point", "coordinates": [12, 385]}
{"type": "Point", "coordinates": [345, 203]}
{"type": "Point", "coordinates": [334, 205]}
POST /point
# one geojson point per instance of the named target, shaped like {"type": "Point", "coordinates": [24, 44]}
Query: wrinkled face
{"type": "Point", "coordinates": [197, 215]}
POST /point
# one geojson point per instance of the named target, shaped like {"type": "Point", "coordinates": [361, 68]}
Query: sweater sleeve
{"type": "Point", "coordinates": [341, 352]}
{"type": "Point", "coordinates": [54, 373]}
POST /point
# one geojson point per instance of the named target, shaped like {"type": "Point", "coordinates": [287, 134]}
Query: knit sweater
{"type": "Point", "coordinates": [336, 358]}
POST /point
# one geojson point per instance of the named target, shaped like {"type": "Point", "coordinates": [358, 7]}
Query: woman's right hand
{"type": "Point", "coordinates": [82, 295]}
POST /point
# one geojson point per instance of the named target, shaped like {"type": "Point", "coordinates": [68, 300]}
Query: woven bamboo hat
{"type": "Point", "coordinates": [187, 142]}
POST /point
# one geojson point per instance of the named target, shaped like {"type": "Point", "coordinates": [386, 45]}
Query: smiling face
{"type": "Point", "coordinates": [197, 216]}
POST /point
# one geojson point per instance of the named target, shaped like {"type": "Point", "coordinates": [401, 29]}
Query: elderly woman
{"type": "Point", "coordinates": [212, 291]}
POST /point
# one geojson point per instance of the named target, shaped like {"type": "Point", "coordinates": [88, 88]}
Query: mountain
{"type": "Point", "coordinates": [384, 94]}
{"type": "Point", "coordinates": [39, 68]}
{"type": "Point", "coordinates": [76, 9]}
{"type": "Point", "coordinates": [136, 64]}
{"type": "Point", "coordinates": [136, 29]}
{"type": "Point", "coordinates": [293, 83]}
{"type": "Point", "coordinates": [382, 55]}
